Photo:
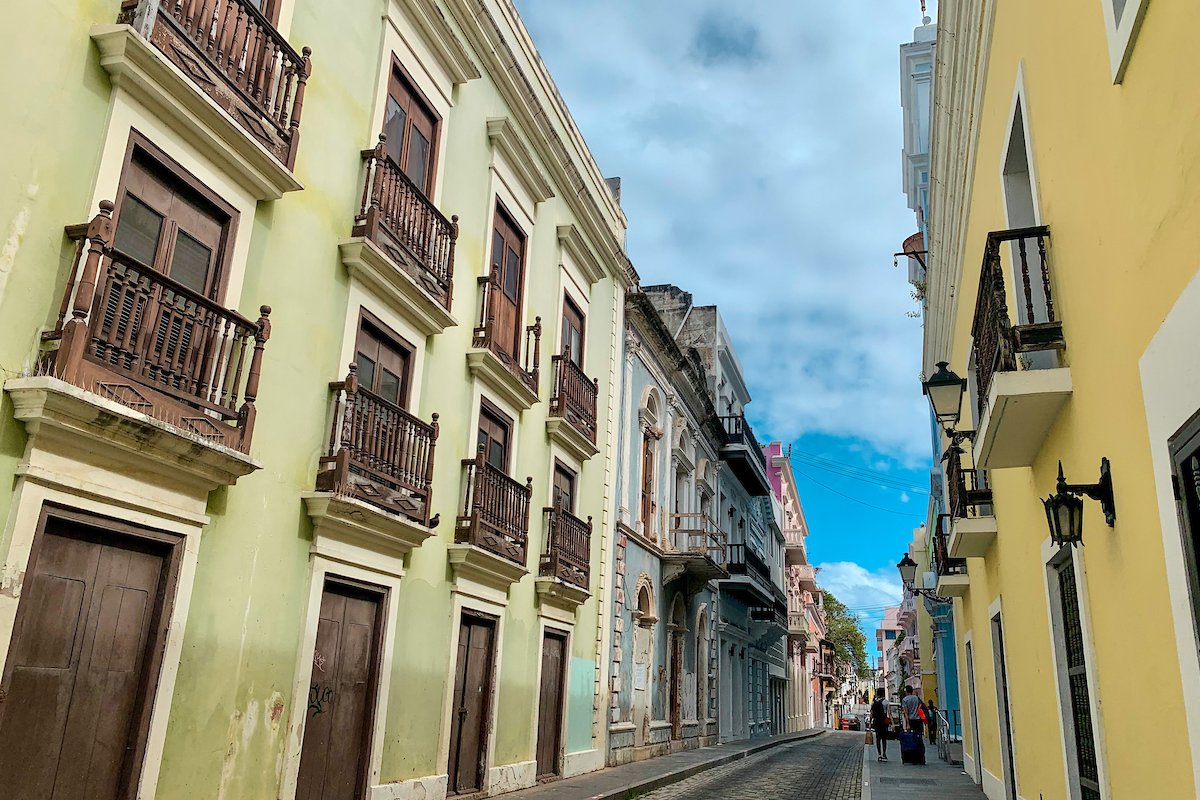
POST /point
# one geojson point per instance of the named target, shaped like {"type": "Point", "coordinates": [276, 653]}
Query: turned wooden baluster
{"type": "Point", "coordinates": [450, 260]}
{"type": "Point", "coordinates": [534, 371]}
{"type": "Point", "coordinates": [429, 454]}
{"type": "Point", "coordinates": [1041, 244]}
{"type": "Point", "coordinates": [248, 412]}
{"type": "Point", "coordinates": [75, 334]}
{"type": "Point", "coordinates": [298, 105]}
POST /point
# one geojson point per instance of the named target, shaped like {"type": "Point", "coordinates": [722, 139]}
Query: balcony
{"type": "Point", "coordinates": [572, 419]}
{"type": "Point", "coordinates": [768, 624]}
{"type": "Point", "coordinates": [1019, 376]}
{"type": "Point", "coordinates": [804, 576]}
{"type": "Point", "coordinates": [491, 534]}
{"type": "Point", "coordinates": [697, 551]}
{"type": "Point", "coordinates": [491, 360]}
{"type": "Point", "coordinates": [749, 576]}
{"type": "Point", "coordinates": [565, 567]}
{"type": "Point", "coordinates": [972, 525]}
{"type": "Point", "coordinates": [402, 246]}
{"type": "Point", "coordinates": [222, 73]}
{"type": "Point", "coordinates": [952, 580]}
{"type": "Point", "coordinates": [744, 456]}
{"type": "Point", "coordinates": [795, 549]}
{"type": "Point", "coordinates": [797, 623]}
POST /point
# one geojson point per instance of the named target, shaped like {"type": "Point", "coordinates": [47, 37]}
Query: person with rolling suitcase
{"type": "Point", "coordinates": [912, 743]}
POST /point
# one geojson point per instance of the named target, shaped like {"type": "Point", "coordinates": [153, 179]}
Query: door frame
{"type": "Point", "coordinates": [565, 635]}
{"type": "Point", "coordinates": [377, 577]}
{"type": "Point", "coordinates": [969, 663]}
{"type": "Point", "coordinates": [1004, 722]}
{"type": "Point", "coordinates": [151, 683]}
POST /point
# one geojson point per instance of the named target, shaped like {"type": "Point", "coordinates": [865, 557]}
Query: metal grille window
{"type": "Point", "coordinates": [1077, 682]}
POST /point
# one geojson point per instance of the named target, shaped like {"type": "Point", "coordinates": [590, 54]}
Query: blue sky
{"type": "Point", "coordinates": [758, 144]}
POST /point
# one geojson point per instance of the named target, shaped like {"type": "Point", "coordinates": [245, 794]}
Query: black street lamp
{"type": "Point", "coordinates": [945, 392]}
{"type": "Point", "coordinates": [908, 576]}
{"type": "Point", "coordinates": [1064, 508]}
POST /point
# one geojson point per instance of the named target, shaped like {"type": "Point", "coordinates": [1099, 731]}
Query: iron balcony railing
{"type": "Point", "coordinates": [738, 431]}
{"type": "Point", "coordinates": [697, 532]}
{"type": "Point", "coordinates": [967, 489]}
{"type": "Point", "coordinates": [567, 551]}
{"type": "Point", "coordinates": [378, 443]}
{"type": "Point", "coordinates": [744, 560]}
{"type": "Point", "coordinates": [495, 510]}
{"type": "Point", "coordinates": [997, 341]}
{"type": "Point", "coordinates": [201, 361]}
{"type": "Point", "coordinates": [235, 56]}
{"type": "Point", "coordinates": [943, 563]}
{"type": "Point", "coordinates": [575, 395]}
{"type": "Point", "coordinates": [397, 216]}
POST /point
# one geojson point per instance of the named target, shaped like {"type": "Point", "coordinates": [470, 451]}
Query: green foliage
{"type": "Point", "coordinates": [848, 640]}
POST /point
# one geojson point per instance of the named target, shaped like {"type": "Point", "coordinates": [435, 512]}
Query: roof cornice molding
{"type": "Point", "coordinates": [580, 194]}
{"type": "Point", "coordinates": [572, 240]}
{"type": "Point", "coordinates": [443, 42]}
{"type": "Point", "coordinates": [504, 137]}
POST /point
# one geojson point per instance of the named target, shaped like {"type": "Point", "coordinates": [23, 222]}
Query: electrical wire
{"type": "Point", "coordinates": [858, 473]}
{"type": "Point", "coordinates": [860, 502]}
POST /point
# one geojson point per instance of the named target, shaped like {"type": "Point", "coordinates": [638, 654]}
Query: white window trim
{"type": "Point", "coordinates": [1121, 35]}
{"type": "Point", "coordinates": [1020, 100]}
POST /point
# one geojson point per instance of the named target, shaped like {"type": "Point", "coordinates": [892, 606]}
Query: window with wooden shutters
{"type": "Point", "coordinates": [564, 487]}
{"type": "Point", "coordinates": [1079, 699]}
{"type": "Point", "coordinates": [164, 222]}
{"type": "Point", "coordinates": [648, 449]}
{"type": "Point", "coordinates": [572, 332]}
{"type": "Point", "coordinates": [384, 363]}
{"type": "Point", "coordinates": [411, 129]}
{"type": "Point", "coordinates": [1185, 475]}
{"type": "Point", "coordinates": [508, 269]}
{"type": "Point", "coordinates": [495, 430]}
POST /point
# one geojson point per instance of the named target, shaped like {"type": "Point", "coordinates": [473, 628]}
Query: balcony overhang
{"type": "Point", "coordinates": [138, 67]}
{"type": "Point", "coordinates": [1022, 407]}
{"type": "Point", "coordinates": [474, 567]}
{"type": "Point", "coordinates": [350, 530]}
{"type": "Point", "coordinates": [489, 369]}
{"type": "Point", "coordinates": [693, 569]}
{"type": "Point", "coordinates": [747, 467]}
{"type": "Point", "coordinates": [565, 435]}
{"type": "Point", "coordinates": [953, 585]}
{"type": "Point", "coordinates": [83, 426]}
{"type": "Point", "coordinates": [368, 264]}
{"type": "Point", "coordinates": [750, 589]}
{"type": "Point", "coordinates": [560, 595]}
{"type": "Point", "coordinates": [971, 537]}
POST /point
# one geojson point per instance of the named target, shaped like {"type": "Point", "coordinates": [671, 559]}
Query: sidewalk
{"type": "Point", "coordinates": [618, 783]}
{"type": "Point", "coordinates": [893, 780]}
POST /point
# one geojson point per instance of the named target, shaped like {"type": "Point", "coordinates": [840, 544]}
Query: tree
{"type": "Point", "coordinates": [842, 631]}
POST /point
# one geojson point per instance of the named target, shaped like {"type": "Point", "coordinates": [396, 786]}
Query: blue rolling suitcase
{"type": "Point", "coordinates": [912, 748]}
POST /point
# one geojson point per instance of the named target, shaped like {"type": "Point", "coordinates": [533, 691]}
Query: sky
{"type": "Point", "coordinates": [758, 144]}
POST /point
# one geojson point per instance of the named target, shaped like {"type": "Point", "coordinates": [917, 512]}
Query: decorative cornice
{"type": "Point", "coordinates": [504, 138]}
{"type": "Point", "coordinates": [573, 242]}
{"type": "Point", "coordinates": [370, 266]}
{"type": "Point", "coordinates": [443, 42]}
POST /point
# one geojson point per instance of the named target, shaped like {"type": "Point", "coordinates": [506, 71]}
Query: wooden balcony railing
{"type": "Point", "coordinates": [567, 552]}
{"type": "Point", "coordinates": [997, 341]}
{"type": "Point", "coordinates": [199, 362]}
{"type": "Point", "coordinates": [575, 396]}
{"type": "Point", "coordinates": [398, 217]}
{"type": "Point", "coordinates": [495, 510]}
{"type": "Point", "coordinates": [378, 452]}
{"type": "Point", "coordinates": [738, 431]}
{"type": "Point", "coordinates": [697, 532]}
{"type": "Point", "coordinates": [237, 57]}
{"type": "Point", "coordinates": [967, 489]}
{"type": "Point", "coordinates": [943, 563]}
{"type": "Point", "coordinates": [488, 335]}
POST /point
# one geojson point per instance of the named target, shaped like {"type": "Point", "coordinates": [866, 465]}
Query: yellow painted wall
{"type": "Point", "coordinates": [1118, 183]}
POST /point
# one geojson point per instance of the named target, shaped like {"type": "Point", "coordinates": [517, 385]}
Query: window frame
{"type": "Point", "coordinates": [388, 337]}
{"type": "Point", "coordinates": [165, 165]}
{"type": "Point", "coordinates": [571, 307]}
{"type": "Point", "coordinates": [1121, 33]}
{"type": "Point", "coordinates": [500, 213]}
{"type": "Point", "coordinates": [397, 70]}
{"type": "Point", "coordinates": [1183, 446]}
{"type": "Point", "coordinates": [489, 409]}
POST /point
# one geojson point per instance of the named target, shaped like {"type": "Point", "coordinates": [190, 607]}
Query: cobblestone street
{"type": "Point", "coordinates": [826, 768]}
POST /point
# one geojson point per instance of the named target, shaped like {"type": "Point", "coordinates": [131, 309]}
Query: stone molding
{"type": "Point", "coordinates": [370, 266]}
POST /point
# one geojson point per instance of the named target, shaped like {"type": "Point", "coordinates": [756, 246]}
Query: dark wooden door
{"type": "Point", "coordinates": [676, 681]}
{"type": "Point", "coordinates": [564, 488]}
{"type": "Point", "coordinates": [410, 127]}
{"type": "Point", "coordinates": [77, 679]}
{"type": "Point", "coordinates": [550, 704]}
{"type": "Point", "coordinates": [471, 704]}
{"type": "Point", "coordinates": [494, 430]}
{"type": "Point", "coordinates": [647, 485]}
{"type": "Point", "coordinates": [508, 267]}
{"type": "Point", "coordinates": [572, 332]}
{"type": "Point", "coordinates": [384, 365]}
{"type": "Point", "coordinates": [335, 756]}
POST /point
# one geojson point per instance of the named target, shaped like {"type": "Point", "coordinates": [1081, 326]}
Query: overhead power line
{"type": "Point", "coordinates": [861, 502]}
{"type": "Point", "coordinates": [858, 473]}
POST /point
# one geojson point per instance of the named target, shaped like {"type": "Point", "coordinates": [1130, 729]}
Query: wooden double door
{"type": "Point", "coordinates": [336, 753]}
{"type": "Point", "coordinates": [82, 665]}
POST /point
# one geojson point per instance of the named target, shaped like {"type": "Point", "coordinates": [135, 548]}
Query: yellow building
{"type": "Point", "coordinates": [1064, 233]}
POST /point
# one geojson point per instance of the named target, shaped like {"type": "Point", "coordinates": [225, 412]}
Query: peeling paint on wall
{"type": "Point", "coordinates": [16, 233]}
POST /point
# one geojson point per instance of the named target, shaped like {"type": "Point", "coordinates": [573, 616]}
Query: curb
{"type": "Point", "coordinates": [866, 773]}
{"type": "Point", "coordinates": [652, 784]}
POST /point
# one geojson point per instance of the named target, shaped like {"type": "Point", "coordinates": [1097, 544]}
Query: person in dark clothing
{"type": "Point", "coordinates": [879, 723]}
{"type": "Point", "coordinates": [911, 705]}
{"type": "Point", "coordinates": [931, 720]}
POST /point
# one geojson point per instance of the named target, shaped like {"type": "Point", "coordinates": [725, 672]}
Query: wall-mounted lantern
{"type": "Point", "coordinates": [1064, 508]}
{"type": "Point", "coordinates": [945, 391]}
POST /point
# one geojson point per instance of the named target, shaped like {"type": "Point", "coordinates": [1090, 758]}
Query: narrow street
{"type": "Point", "coordinates": [828, 767]}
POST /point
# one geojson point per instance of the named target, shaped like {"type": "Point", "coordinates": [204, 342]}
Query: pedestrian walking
{"type": "Point", "coordinates": [912, 711]}
{"type": "Point", "coordinates": [879, 723]}
{"type": "Point", "coordinates": [931, 719]}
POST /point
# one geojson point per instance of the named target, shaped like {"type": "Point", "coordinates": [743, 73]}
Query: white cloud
{"type": "Point", "coordinates": [858, 588]}
{"type": "Point", "coordinates": [761, 171]}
